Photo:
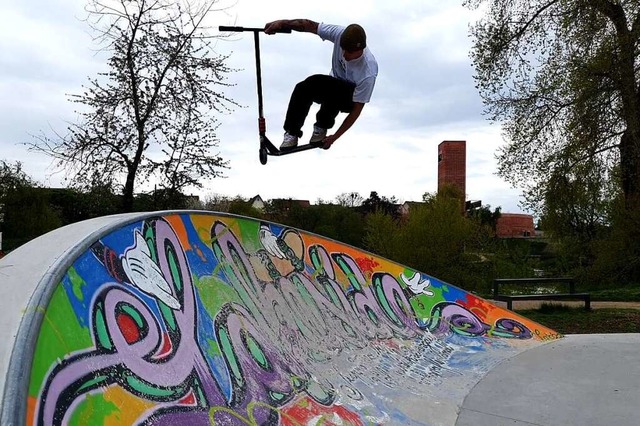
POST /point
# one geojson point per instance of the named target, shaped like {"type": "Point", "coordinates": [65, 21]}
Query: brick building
{"type": "Point", "coordinates": [515, 225]}
{"type": "Point", "coordinates": [452, 165]}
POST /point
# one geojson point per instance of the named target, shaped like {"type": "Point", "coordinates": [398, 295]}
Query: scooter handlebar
{"type": "Point", "coordinates": [240, 29]}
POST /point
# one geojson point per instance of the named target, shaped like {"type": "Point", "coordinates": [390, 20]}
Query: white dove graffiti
{"type": "Point", "coordinates": [143, 272]}
{"type": "Point", "coordinates": [270, 242]}
{"type": "Point", "coordinates": [416, 284]}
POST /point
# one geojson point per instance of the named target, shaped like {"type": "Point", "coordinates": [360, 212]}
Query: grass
{"type": "Point", "coordinates": [567, 320]}
{"type": "Point", "coordinates": [624, 294]}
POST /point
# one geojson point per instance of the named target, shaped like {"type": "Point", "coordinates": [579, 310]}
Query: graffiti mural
{"type": "Point", "coordinates": [210, 319]}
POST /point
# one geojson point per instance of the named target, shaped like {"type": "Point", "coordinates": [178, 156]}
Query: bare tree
{"type": "Point", "coordinates": [150, 116]}
{"type": "Point", "coordinates": [349, 199]}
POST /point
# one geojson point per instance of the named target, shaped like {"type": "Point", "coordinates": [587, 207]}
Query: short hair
{"type": "Point", "coordinates": [353, 38]}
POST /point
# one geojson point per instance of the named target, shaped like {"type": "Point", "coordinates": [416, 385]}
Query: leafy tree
{"type": "Point", "coordinates": [290, 212]}
{"type": "Point", "coordinates": [616, 255]}
{"type": "Point", "coordinates": [484, 216]}
{"type": "Point", "coordinates": [577, 205]}
{"type": "Point", "coordinates": [435, 235]}
{"type": "Point", "coordinates": [431, 238]}
{"type": "Point", "coordinates": [150, 115]}
{"type": "Point", "coordinates": [483, 239]}
{"type": "Point", "coordinates": [219, 202]}
{"type": "Point", "coordinates": [243, 207]}
{"type": "Point", "coordinates": [101, 200]}
{"type": "Point", "coordinates": [12, 176]}
{"type": "Point", "coordinates": [381, 235]}
{"type": "Point", "coordinates": [27, 216]}
{"type": "Point", "coordinates": [280, 210]}
{"type": "Point", "coordinates": [562, 77]}
{"type": "Point", "coordinates": [24, 209]}
{"type": "Point", "coordinates": [330, 220]}
{"type": "Point", "coordinates": [377, 203]}
{"type": "Point", "coordinates": [97, 196]}
{"type": "Point", "coordinates": [161, 199]}
{"type": "Point", "coordinates": [437, 238]}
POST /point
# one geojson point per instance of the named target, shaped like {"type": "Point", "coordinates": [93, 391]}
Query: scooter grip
{"type": "Point", "coordinates": [240, 29]}
{"type": "Point", "coordinates": [234, 29]}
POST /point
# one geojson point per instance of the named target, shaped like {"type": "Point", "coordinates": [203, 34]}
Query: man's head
{"type": "Point", "coordinates": [353, 41]}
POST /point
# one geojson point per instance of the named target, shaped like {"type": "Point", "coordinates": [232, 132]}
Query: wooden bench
{"type": "Point", "coordinates": [571, 295]}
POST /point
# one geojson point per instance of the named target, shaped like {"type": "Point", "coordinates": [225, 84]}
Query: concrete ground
{"type": "Point", "coordinates": [586, 380]}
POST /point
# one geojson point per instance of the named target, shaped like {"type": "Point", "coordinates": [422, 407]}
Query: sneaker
{"type": "Point", "coordinates": [289, 141]}
{"type": "Point", "coordinates": [318, 134]}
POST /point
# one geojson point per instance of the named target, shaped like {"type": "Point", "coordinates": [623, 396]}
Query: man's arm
{"type": "Point", "coordinates": [346, 125]}
{"type": "Point", "coordinates": [301, 25]}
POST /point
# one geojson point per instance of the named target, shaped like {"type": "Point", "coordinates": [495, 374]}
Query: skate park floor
{"type": "Point", "coordinates": [586, 380]}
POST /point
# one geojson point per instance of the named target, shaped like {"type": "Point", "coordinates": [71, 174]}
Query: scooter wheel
{"type": "Point", "coordinates": [263, 155]}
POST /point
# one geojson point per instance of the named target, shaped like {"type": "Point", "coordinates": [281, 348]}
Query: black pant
{"type": "Point", "coordinates": [333, 95]}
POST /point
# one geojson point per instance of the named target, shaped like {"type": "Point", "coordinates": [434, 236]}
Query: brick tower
{"type": "Point", "coordinates": [452, 164]}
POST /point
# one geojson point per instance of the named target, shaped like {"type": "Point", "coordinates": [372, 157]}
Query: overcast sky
{"type": "Point", "coordinates": [424, 94]}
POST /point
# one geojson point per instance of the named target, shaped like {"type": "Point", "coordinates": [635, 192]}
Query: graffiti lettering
{"type": "Point", "coordinates": [281, 340]}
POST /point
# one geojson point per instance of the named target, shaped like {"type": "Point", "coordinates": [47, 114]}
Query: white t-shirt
{"type": "Point", "coordinates": [362, 71]}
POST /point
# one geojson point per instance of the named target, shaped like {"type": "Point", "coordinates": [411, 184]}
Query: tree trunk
{"type": "Point", "coordinates": [630, 168]}
{"type": "Point", "coordinates": [127, 192]}
{"type": "Point", "coordinates": [625, 79]}
{"type": "Point", "coordinates": [132, 171]}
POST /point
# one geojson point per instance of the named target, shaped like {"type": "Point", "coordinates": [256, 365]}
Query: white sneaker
{"type": "Point", "coordinates": [318, 134]}
{"type": "Point", "coordinates": [289, 141]}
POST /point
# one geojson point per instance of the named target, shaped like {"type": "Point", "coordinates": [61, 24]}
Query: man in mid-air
{"type": "Point", "coordinates": [346, 89]}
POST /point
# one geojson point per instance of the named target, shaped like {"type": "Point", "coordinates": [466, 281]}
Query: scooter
{"type": "Point", "coordinates": [266, 147]}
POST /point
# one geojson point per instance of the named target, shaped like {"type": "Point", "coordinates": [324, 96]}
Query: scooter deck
{"type": "Point", "coordinates": [298, 148]}
{"type": "Point", "coordinates": [268, 148]}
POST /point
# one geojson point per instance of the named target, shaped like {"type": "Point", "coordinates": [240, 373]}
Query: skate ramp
{"type": "Point", "coordinates": [201, 318]}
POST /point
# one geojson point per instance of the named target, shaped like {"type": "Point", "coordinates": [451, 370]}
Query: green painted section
{"type": "Point", "coordinates": [213, 349]}
{"type": "Point", "coordinates": [60, 335]}
{"type": "Point", "coordinates": [102, 333]}
{"type": "Point", "coordinates": [256, 352]}
{"type": "Point", "coordinates": [93, 410]}
{"type": "Point", "coordinates": [175, 269]}
{"type": "Point", "coordinates": [421, 306]}
{"type": "Point", "coordinates": [168, 317]}
{"type": "Point", "coordinates": [227, 348]}
{"type": "Point", "coordinates": [249, 231]}
{"type": "Point", "coordinates": [135, 315]}
{"type": "Point", "coordinates": [214, 293]}
{"type": "Point", "coordinates": [149, 236]}
{"type": "Point", "coordinates": [97, 381]}
{"type": "Point", "coordinates": [146, 388]}
{"type": "Point", "coordinates": [76, 283]}
{"type": "Point", "coordinates": [421, 303]}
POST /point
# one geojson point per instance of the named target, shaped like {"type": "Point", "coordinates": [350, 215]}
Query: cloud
{"type": "Point", "coordinates": [424, 95]}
